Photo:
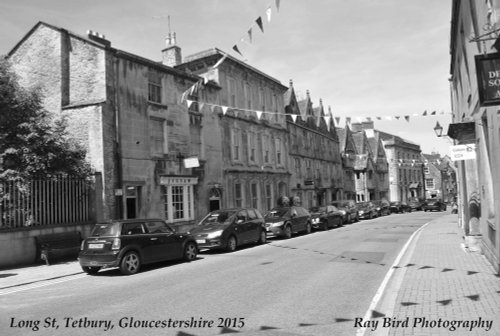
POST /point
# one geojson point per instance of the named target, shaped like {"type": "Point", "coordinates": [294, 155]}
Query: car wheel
{"type": "Point", "coordinates": [190, 251]}
{"type": "Point", "coordinates": [288, 231]}
{"type": "Point", "coordinates": [231, 244]}
{"type": "Point", "coordinates": [262, 237]}
{"type": "Point", "coordinates": [130, 263]}
{"type": "Point", "coordinates": [91, 270]}
{"type": "Point", "coordinates": [308, 228]}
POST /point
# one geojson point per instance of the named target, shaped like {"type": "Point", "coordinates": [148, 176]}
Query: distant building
{"type": "Point", "coordinates": [316, 170]}
{"type": "Point", "coordinates": [348, 153]}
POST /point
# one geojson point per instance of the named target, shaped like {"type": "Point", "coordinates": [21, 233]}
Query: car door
{"type": "Point", "coordinates": [163, 242]}
{"type": "Point", "coordinates": [242, 226]}
{"type": "Point", "coordinates": [254, 225]}
{"type": "Point", "coordinates": [134, 235]}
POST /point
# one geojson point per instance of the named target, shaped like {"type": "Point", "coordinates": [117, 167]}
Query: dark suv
{"type": "Point", "coordinates": [128, 244]}
{"type": "Point", "coordinates": [285, 221]}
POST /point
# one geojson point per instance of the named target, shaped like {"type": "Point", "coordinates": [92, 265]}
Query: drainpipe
{"type": "Point", "coordinates": [118, 143]}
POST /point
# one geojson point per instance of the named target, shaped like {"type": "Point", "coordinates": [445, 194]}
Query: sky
{"type": "Point", "coordinates": [363, 58]}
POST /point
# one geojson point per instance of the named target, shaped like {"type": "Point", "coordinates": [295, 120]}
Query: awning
{"type": "Point", "coordinates": [414, 185]}
{"type": "Point", "coordinates": [464, 132]}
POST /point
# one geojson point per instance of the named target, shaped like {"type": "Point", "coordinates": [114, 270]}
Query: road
{"type": "Point", "coordinates": [313, 284]}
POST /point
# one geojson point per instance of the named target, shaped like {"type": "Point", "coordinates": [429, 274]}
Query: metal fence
{"type": "Point", "coordinates": [64, 200]}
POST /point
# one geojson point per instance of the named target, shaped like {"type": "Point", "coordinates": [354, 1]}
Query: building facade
{"type": "Point", "coordinates": [476, 125]}
{"type": "Point", "coordinates": [127, 112]}
{"type": "Point", "coordinates": [251, 167]}
{"type": "Point", "coordinates": [348, 154]}
{"type": "Point", "coordinates": [316, 174]}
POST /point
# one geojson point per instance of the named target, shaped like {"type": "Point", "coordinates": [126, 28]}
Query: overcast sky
{"type": "Point", "coordinates": [364, 58]}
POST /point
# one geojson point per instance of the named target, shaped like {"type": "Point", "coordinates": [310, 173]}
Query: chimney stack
{"type": "Point", "coordinates": [172, 53]}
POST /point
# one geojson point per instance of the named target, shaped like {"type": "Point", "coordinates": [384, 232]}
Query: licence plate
{"type": "Point", "coordinates": [96, 246]}
{"type": "Point", "coordinates": [200, 241]}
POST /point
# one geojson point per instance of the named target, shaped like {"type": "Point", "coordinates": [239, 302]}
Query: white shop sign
{"type": "Point", "coordinates": [463, 152]}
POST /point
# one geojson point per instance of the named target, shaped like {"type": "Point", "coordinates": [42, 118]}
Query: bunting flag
{"type": "Point", "coordinates": [337, 121]}
{"type": "Point", "coordinates": [278, 5]}
{"type": "Point", "coordinates": [224, 110]}
{"type": "Point", "coordinates": [259, 23]}
{"type": "Point", "coordinates": [425, 113]}
{"type": "Point", "coordinates": [433, 113]}
{"type": "Point", "coordinates": [235, 48]}
{"type": "Point", "coordinates": [294, 117]}
{"type": "Point", "coordinates": [407, 118]}
{"type": "Point", "coordinates": [348, 120]}
{"type": "Point", "coordinates": [189, 102]}
{"type": "Point", "coordinates": [259, 114]}
{"type": "Point", "coordinates": [268, 13]}
{"type": "Point", "coordinates": [250, 34]}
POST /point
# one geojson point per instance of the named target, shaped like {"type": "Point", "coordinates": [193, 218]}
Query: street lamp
{"type": "Point", "coordinates": [438, 129]}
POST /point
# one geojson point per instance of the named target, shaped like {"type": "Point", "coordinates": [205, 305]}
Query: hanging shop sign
{"type": "Point", "coordinates": [463, 152]}
{"type": "Point", "coordinates": [488, 78]}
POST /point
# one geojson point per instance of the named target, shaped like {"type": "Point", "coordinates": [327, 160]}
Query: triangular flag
{"type": "Point", "coordinates": [433, 113]}
{"type": "Point", "coordinates": [327, 120]}
{"type": "Point", "coordinates": [337, 120]}
{"type": "Point", "coordinates": [250, 35]}
{"type": "Point", "coordinates": [224, 110]}
{"type": "Point", "coordinates": [425, 113]}
{"type": "Point", "coordinates": [348, 120]}
{"type": "Point", "coordinates": [407, 118]}
{"type": "Point", "coordinates": [259, 114]}
{"type": "Point", "coordinates": [259, 23]}
{"type": "Point", "coordinates": [235, 48]}
{"type": "Point", "coordinates": [278, 5]}
{"type": "Point", "coordinates": [268, 12]}
{"type": "Point", "coordinates": [189, 102]}
{"type": "Point", "coordinates": [397, 117]}
{"type": "Point", "coordinates": [200, 106]}
{"type": "Point", "coordinates": [379, 118]}
{"type": "Point", "coordinates": [294, 117]}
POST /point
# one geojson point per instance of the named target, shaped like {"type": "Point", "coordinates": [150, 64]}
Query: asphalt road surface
{"type": "Point", "coordinates": [313, 284]}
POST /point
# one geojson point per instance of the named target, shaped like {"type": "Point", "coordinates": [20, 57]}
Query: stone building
{"type": "Point", "coordinates": [128, 113]}
{"type": "Point", "coordinates": [406, 179]}
{"type": "Point", "coordinates": [348, 153]}
{"type": "Point", "coordinates": [315, 164]}
{"type": "Point", "coordinates": [371, 164]}
{"type": "Point", "coordinates": [250, 166]}
{"type": "Point", "coordinates": [475, 124]}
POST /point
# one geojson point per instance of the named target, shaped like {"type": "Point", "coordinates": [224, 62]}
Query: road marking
{"type": "Point", "coordinates": [378, 295]}
{"type": "Point", "coordinates": [39, 284]}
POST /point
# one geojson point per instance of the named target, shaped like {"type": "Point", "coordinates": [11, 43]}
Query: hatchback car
{"type": "Point", "coordinates": [227, 229]}
{"type": "Point", "coordinates": [326, 217]}
{"type": "Point", "coordinates": [415, 205]}
{"type": "Point", "coordinates": [383, 207]}
{"type": "Point", "coordinates": [128, 244]}
{"type": "Point", "coordinates": [349, 209]}
{"type": "Point", "coordinates": [434, 204]}
{"type": "Point", "coordinates": [367, 210]}
{"type": "Point", "coordinates": [286, 221]}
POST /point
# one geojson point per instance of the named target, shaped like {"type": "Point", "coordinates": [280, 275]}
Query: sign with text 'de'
{"type": "Point", "coordinates": [488, 78]}
{"type": "Point", "coordinates": [463, 152]}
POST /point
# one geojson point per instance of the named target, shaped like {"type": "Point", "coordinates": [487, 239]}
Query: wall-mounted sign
{"type": "Point", "coordinates": [191, 162]}
{"type": "Point", "coordinates": [488, 78]}
{"type": "Point", "coordinates": [463, 152]}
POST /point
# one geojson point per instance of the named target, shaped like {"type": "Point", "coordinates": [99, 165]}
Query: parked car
{"type": "Point", "coordinates": [382, 207]}
{"type": "Point", "coordinates": [415, 205]}
{"type": "Point", "coordinates": [399, 207]}
{"type": "Point", "coordinates": [326, 217]}
{"type": "Point", "coordinates": [285, 221]}
{"type": "Point", "coordinates": [128, 244]}
{"type": "Point", "coordinates": [434, 204]}
{"type": "Point", "coordinates": [229, 228]}
{"type": "Point", "coordinates": [349, 209]}
{"type": "Point", "coordinates": [367, 210]}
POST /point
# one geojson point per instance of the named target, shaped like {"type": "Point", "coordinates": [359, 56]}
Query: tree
{"type": "Point", "coordinates": [33, 143]}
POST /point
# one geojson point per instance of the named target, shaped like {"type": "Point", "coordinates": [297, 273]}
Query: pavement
{"type": "Point", "coordinates": [436, 287]}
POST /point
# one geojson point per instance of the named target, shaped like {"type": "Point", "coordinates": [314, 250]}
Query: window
{"type": "Point", "coordinates": [238, 195]}
{"type": "Point", "coordinates": [297, 167]}
{"type": "Point", "coordinates": [429, 183]}
{"type": "Point", "coordinates": [236, 144]}
{"type": "Point", "coordinates": [178, 202]}
{"type": "Point", "coordinates": [231, 90]}
{"type": "Point", "coordinates": [269, 197]}
{"type": "Point", "coordinates": [132, 229]}
{"type": "Point", "coordinates": [426, 169]}
{"type": "Point", "coordinates": [154, 87]}
{"type": "Point", "coordinates": [255, 195]}
{"type": "Point", "coordinates": [158, 227]}
{"type": "Point", "coordinates": [157, 136]}
{"type": "Point", "coordinates": [265, 146]}
{"type": "Point", "coordinates": [252, 150]}
{"type": "Point", "coordinates": [247, 94]}
{"type": "Point", "coordinates": [278, 151]}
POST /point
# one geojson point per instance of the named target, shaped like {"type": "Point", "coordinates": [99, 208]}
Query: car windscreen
{"type": "Point", "coordinates": [276, 213]}
{"type": "Point", "coordinates": [100, 230]}
{"type": "Point", "coordinates": [218, 217]}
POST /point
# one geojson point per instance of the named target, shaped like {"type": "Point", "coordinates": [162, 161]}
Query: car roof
{"type": "Point", "coordinates": [131, 220]}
